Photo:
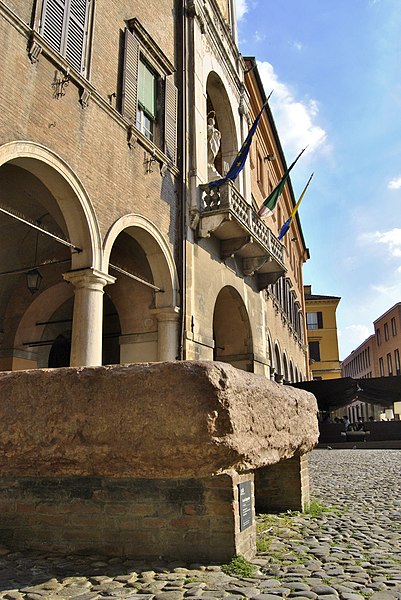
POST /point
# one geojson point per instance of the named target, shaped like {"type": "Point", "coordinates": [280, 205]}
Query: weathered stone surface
{"type": "Point", "coordinates": [149, 420]}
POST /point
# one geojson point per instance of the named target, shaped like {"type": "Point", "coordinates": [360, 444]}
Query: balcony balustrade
{"type": "Point", "coordinates": [228, 217]}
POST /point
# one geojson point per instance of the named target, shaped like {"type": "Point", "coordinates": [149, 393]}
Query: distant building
{"type": "Point", "coordinates": [377, 356]}
{"type": "Point", "coordinates": [361, 363]}
{"type": "Point", "coordinates": [321, 326]}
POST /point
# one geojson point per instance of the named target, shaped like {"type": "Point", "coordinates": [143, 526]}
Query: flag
{"type": "Point", "coordinates": [270, 202]}
{"type": "Point", "coordinates": [242, 155]}
{"type": "Point", "coordinates": [288, 222]}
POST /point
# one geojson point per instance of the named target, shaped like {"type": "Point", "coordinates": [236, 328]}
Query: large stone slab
{"type": "Point", "coordinates": [171, 420]}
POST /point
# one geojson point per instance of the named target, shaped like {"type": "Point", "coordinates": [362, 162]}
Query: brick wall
{"type": "Point", "coordinates": [283, 486]}
{"type": "Point", "coordinates": [191, 519]}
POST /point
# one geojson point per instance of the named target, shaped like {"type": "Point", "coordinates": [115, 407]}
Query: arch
{"type": "Point", "coordinates": [218, 101]}
{"type": "Point", "coordinates": [148, 318]}
{"type": "Point", "coordinates": [292, 379]}
{"type": "Point", "coordinates": [277, 360]}
{"type": "Point", "coordinates": [232, 332]}
{"type": "Point", "coordinates": [286, 372]}
{"type": "Point", "coordinates": [270, 355]}
{"type": "Point", "coordinates": [157, 252]}
{"type": "Point", "coordinates": [68, 192]}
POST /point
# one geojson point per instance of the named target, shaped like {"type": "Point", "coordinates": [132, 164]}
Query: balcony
{"type": "Point", "coordinates": [242, 234]}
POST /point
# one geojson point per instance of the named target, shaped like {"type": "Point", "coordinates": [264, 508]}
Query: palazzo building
{"type": "Point", "coordinates": [321, 324]}
{"type": "Point", "coordinates": [114, 118]}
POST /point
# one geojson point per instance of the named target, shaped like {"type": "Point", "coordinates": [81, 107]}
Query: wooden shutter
{"type": "Point", "coordinates": [130, 76]}
{"type": "Point", "coordinates": [170, 119]}
{"type": "Point", "coordinates": [319, 320]}
{"type": "Point", "coordinates": [53, 25]}
{"type": "Point", "coordinates": [76, 33]}
{"type": "Point", "coordinates": [64, 26]}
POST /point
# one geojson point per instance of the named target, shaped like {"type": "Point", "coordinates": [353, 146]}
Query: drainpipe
{"type": "Point", "coordinates": [182, 110]}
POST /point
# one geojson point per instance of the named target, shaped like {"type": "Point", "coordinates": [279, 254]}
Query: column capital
{"type": "Point", "coordinates": [89, 278]}
{"type": "Point", "coordinates": [168, 313]}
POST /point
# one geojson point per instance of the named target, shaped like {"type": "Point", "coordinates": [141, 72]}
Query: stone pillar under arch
{"type": "Point", "coordinates": [167, 328]}
{"type": "Point", "coordinates": [87, 323]}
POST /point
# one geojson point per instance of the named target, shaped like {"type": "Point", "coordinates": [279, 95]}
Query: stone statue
{"type": "Point", "coordinates": [213, 145]}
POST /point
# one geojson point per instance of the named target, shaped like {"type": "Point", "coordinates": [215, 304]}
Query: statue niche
{"type": "Point", "coordinates": [213, 146]}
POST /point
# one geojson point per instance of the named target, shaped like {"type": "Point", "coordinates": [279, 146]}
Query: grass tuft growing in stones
{"type": "Point", "coordinates": [239, 567]}
{"type": "Point", "coordinates": [316, 508]}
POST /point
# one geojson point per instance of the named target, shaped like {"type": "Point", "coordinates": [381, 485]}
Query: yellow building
{"type": "Point", "coordinates": [321, 328]}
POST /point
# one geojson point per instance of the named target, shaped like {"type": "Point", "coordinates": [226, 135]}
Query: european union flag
{"type": "Point", "coordinates": [242, 155]}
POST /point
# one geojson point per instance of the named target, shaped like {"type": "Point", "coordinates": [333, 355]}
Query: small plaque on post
{"type": "Point", "coordinates": [245, 504]}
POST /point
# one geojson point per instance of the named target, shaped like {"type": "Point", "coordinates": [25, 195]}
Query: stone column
{"type": "Point", "coordinates": [87, 324]}
{"type": "Point", "coordinates": [167, 327]}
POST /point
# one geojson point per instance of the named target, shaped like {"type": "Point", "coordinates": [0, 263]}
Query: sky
{"type": "Point", "coordinates": [335, 68]}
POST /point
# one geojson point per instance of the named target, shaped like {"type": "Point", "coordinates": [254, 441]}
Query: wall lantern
{"type": "Point", "coordinates": [33, 280]}
{"type": "Point", "coordinates": [33, 277]}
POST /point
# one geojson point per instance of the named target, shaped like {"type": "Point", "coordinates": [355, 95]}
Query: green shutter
{"type": "Point", "coordinates": [130, 76]}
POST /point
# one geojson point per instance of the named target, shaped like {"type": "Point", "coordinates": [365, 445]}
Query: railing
{"type": "Point", "coordinates": [227, 198]}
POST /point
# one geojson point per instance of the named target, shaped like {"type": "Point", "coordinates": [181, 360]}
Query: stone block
{"type": "Point", "coordinates": [214, 418]}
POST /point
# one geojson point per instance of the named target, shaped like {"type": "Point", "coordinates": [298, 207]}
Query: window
{"type": "Point", "coordinates": [389, 364]}
{"type": "Point", "coordinates": [314, 351]}
{"type": "Point", "coordinates": [378, 337]}
{"type": "Point", "coordinates": [381, 367]}
{"type": "Point", "coordinates": [393, 327]}
{"type": "Point", "coordinates": [149, 95]}
{"type": "Point", "coordinates": [64, 26]}
{"type": "Point", "coordinates": [397, 362]}
{"type": "Point", "coordinates": [314, 320]}
{"type": "Point", "coordinates": [146, 111]}
{"type": "Point", "coordinates": [259, 172]}
{"type": "Point", "coordinates": [386, 331]}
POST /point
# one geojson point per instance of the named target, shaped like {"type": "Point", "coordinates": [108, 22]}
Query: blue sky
{"type": "Point", "coordinates": [335, 67]}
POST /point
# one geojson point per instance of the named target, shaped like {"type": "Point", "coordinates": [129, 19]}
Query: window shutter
{"type": "Point", "coordinates": [319, 320]}
{"type": "Point", "coordinates": [130, 76]}
{"type": "Point", "coordinates": [170, 119]}
{"type": "Point", "coordinates": [76, 33]}
{"type": "Point", "coordinates": [52, 25]}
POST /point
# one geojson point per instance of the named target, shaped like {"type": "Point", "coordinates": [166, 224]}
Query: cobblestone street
{"type": "Point", "coordinates": [351, 551]}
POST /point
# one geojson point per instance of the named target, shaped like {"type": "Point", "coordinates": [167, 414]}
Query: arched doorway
{"type": "Point", "coordinates": [48, 229]}
{"type": "Point", "coordinates": [145, 293]}
{"type": "Point", "coordinates": [231, 330]}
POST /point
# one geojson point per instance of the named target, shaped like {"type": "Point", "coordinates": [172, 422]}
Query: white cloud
{"type": "Point", "coordinates": [242, 8]}
{"type": "Point", "coordinates": [354, 335]}
{"type": "Point", "coordinates": [259, 37]}
{"type": "Point", "coordinates": [395, 184]}
{"type": "Point", "coordinates": [391, 239]}
{"type": "Point", "coordinates": [295, 120]}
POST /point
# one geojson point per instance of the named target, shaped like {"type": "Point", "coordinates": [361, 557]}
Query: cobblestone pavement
{"type": "Point", "coordinates": [350, 552]}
